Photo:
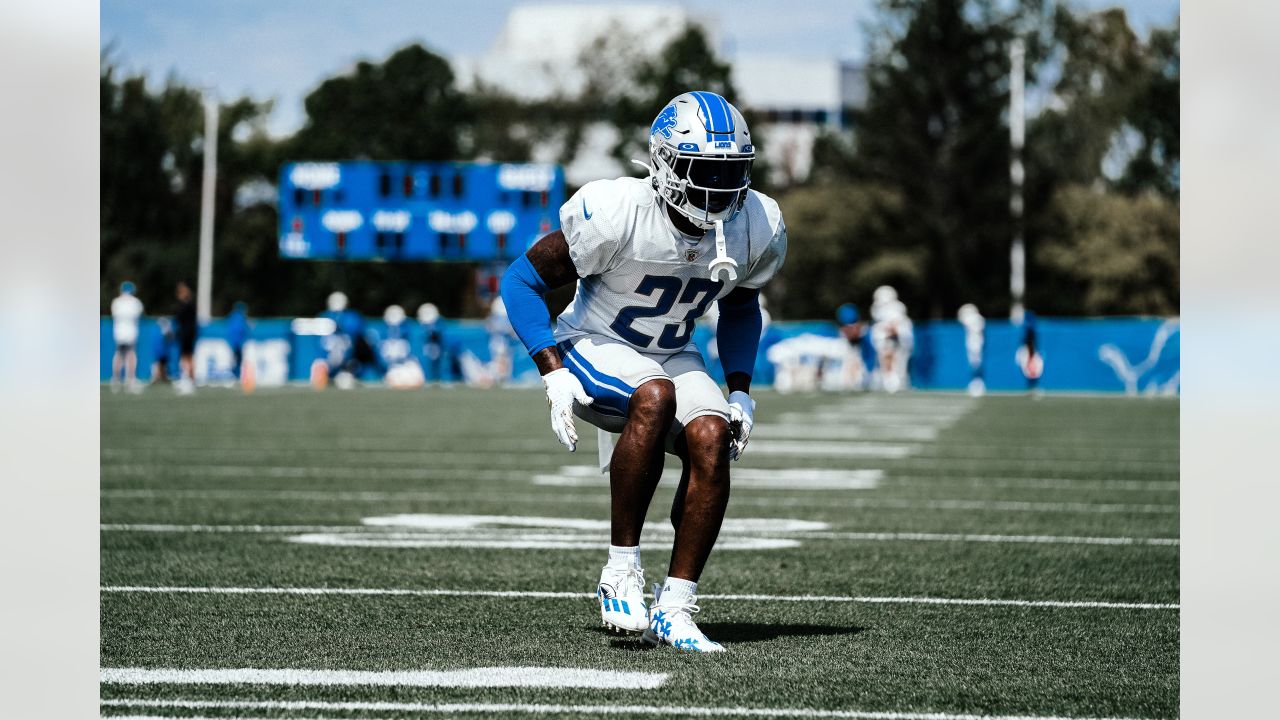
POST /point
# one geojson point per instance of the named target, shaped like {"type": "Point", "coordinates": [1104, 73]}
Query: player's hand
{"type": "Point", "coordinates": [562, 390]}
{"type": "Point", "coordinates": [742, 411]}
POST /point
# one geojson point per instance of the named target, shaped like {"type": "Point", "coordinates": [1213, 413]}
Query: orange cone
{"type": "Point", "coordinates": [319, 374]}
{"type": "Point", "coordinates": [248, 375]}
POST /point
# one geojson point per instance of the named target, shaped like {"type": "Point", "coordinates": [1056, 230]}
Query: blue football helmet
{"type": "Point", "coordinates": [700, 156]}
{"type": "Point", "coordinates": [847, 314]}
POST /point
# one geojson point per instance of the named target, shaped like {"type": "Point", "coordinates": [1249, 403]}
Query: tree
{"type": "Point", "coordinates": [688, 62]}
{"type": "Point", "coordinates": [933, 133]}
{"type": "Point", "coordinates": [151, 163]}
{"type": "Point", "coordinates": [1111, 127]}
{"type": "Point", "coordinates": [1154, 116]}
{"type": "Point", "coordinates": [836, 251]}
{"type": "Point", "coordinates": [405, 108]}
{"type": "Point", "coordinates": [1111, 254]}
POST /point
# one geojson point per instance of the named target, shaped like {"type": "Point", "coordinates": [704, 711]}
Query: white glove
{"type": "Point", "coordinates": [562, 390]}
{"type": "Point", "coordinates": [742, 411]}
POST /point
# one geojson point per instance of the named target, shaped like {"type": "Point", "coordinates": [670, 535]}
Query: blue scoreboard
{"type": "Point", "coordinates": [365, 210]}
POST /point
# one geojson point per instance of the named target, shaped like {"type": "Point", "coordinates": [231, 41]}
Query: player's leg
{"type": "Point", "coordinates": [638, 458]}
{"type": "Point", "coordinates": [187, 368]}
{"type": "Point", "coordinates": [677, 504]}
{"type": "Point", "coordinates": [116, 361]}
{"type": "Point", "coordinates": [699, 506]}
{"type": "Point", "coordinates": [632, 394]}
{"type": "Point", "coordinates": [131, 366]}
{"type": "Point", "coordinates": [701, 439]}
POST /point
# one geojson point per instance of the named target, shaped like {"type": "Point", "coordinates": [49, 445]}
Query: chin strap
{"type": "Point", "coordinates": [723, 264]}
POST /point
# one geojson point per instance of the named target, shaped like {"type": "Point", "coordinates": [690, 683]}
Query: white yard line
{"type": "Point", "coordinates": [971, 463]}
{"type": "Point", "coordinates": [941, 481]}
{"type": "Point", "coordinates": [859, 536]}
{"type": "Point", "coordinates": [976, 537]}
{"type": "Point", "coordinates": [1015, 506]}
{"type": "Point", "coordinates": [743, 478]}
{"type": "Point", "coordinates": [485, 677]}
{"type": "Point", "coordinates": [882, 420]}
{"type": "Point", "coordinates": [163, 528]}
{"type": "Point", "coordinates": [818, 483]}
{"type": "Point", "coordinates": [549, 709]}
{"type": "Point", "coordinates": [509, 540]}
{"type": "Point", "coordinates": [842, 431]}
{"type": "Point", "coordinates": [804, 448]}
{"type": "Point", "coordinates": [407, 459]}
{"type": "Point", "coordinates": [535, 594]}
{"type": "Point", "coordinates": [549, 498]}
{"type": "Point", "coordinates": [308, 471]}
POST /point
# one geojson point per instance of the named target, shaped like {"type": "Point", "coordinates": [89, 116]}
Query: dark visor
{"type": "Point", "coordinates": [714, 174]}
{"type": "Point", "coordinates": [706, 175]}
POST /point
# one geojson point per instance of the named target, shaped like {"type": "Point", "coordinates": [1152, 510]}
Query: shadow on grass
{"type": "Point", "coordinates": [741, 633]}
{"type": "Point", "coordinates": [757, 632]}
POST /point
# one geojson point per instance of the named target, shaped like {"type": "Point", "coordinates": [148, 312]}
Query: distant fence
{"type": "Point", "coordinates": [1133, 355]}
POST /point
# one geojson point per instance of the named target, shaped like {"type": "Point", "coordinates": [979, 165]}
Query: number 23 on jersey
{"type": "Point", "coordinates": [698, 291]}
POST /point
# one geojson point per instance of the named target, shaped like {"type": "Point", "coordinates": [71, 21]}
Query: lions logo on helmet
{"type": "Point", "coordinates": [664, 122]}
{"type": "Point", "coordinates": [700, 156]}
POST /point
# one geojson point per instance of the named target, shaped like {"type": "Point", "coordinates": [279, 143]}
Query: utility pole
{"type": "Point", "coordinates": [204, 273]}
{"type": "Point", "coordinates": [1017, 136]}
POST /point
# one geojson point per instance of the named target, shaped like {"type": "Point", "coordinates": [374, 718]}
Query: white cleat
{"type": "Point", "coordinates": [621, 596]}
{"type": "Point", "coordinates": [671, 622]}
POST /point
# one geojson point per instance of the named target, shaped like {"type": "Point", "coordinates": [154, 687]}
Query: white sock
{"type": "Point", "coordinates": [677, 586]}
{"type": "Point", "coordinates": [622, 556]}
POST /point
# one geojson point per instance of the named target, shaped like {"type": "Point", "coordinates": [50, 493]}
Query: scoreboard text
{"type": "Point", "coordinates": [365, 210]}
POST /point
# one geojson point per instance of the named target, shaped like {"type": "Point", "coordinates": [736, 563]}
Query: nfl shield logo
{"type": "Point", "coordinates": [690, 255]}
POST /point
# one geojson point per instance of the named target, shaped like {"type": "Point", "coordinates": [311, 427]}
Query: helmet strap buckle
{"type": "Point", "coordinates": [722, 264]}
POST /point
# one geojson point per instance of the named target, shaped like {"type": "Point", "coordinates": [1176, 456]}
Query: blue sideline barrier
{"type": "Point", "coordinates": [1097, 355]}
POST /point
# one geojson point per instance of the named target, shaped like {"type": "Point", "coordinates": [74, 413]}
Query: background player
{"type": "Point", "coordinates": [893, 336]}
{"type": "Point", "coordinates": [974, 339]}
{"type": "Point", "coordinates": [184, 323]}
{"type": "Point", "coordinates": [432, 341]}
{"type": "Point", "coordinates": [1028, 356]}
{"type": "Point", "coordinates": [238, 330]}
{"type": "Point", "coordinates": [126, 311]}
{"type": "Point", "coordinates": [854, 331]}
{"type": "Point", "coordinates": [642, 253]}
{"type": "Point", "coordinates": [161, 349]}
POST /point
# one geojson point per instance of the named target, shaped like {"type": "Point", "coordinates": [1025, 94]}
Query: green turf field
{"type": "Point", "coordinates": [1002, 556]}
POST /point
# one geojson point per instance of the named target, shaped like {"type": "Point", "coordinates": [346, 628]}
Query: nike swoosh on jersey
{"type": "Point", "coordinates": [585, 214]}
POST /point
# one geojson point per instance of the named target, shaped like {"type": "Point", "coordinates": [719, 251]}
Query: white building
{"type": "Point", "coordinates": [547, 50]}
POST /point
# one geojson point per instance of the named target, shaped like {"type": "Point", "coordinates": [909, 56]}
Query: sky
{"type": "Point", "coordinates": [280, 50]}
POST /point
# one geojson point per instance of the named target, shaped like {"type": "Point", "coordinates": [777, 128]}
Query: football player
{"type": "Point", "coordinates": [186, 329]}
{"type": "Point", "coordinates": [126, 311]}
{"type": "Point", "coordinates": [974, 338]}
{"type": "Point", "coordinates": [893, 336]}
{"type": "Point", "coordinates": [649, 257]}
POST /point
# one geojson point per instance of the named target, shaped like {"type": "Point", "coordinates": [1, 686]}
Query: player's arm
{"type": "Point", "coordinates": [738, 338]}
{"type": "Point", "coordinates": [545, 267]}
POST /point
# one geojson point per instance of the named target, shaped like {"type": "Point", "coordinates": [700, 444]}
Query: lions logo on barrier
{"type": "Point", "coordinates": [1161, 370]}
{"type": "Point", "coordinates": [664, 122]}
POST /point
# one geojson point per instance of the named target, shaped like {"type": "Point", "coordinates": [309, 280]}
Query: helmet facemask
{"type": "Point", "coordinates": [703, 188]}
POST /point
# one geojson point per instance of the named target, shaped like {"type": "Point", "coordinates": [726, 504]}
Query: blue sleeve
{"type": "Point", "coordinates": [522, 290]}
{"type": "Point", "coordinates": [738, 334]}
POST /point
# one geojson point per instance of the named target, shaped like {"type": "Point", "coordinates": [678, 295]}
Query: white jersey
{"type": "Point", "coordinates": [644, 283]}
{"type": "Point", "coordinates": [125, 312]}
